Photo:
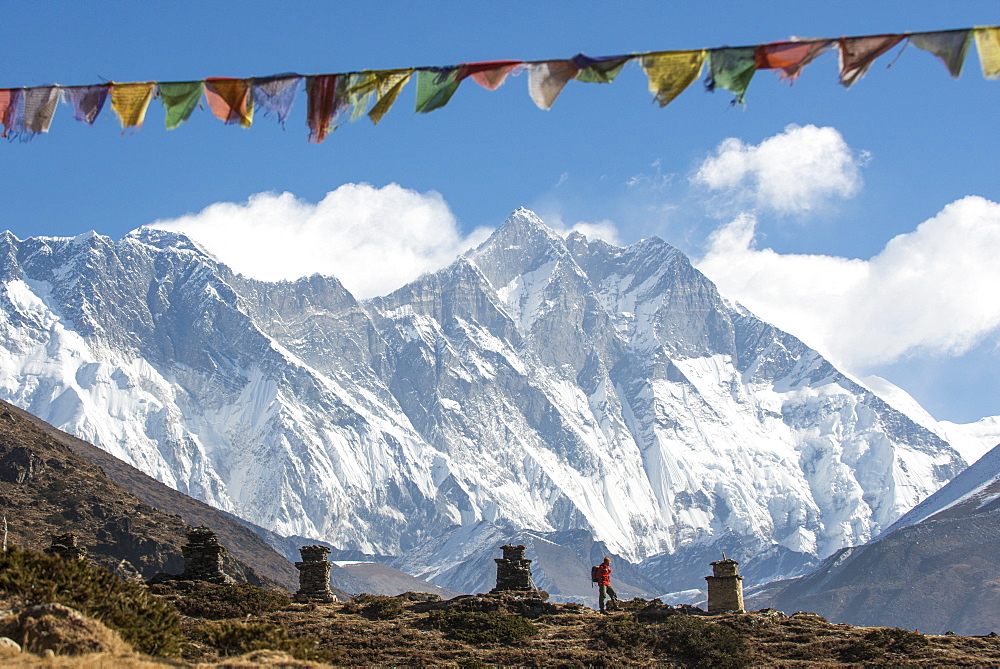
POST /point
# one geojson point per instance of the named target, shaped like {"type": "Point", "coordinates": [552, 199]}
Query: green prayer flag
{"type": "Point", "coordinates": [179, 98]}
{"type": "Point", "coordinates": [602, 71]}
{"type": "Point", "coordinates": [731, 69]}
{"type": "Point", "coordinates": [435, 86]}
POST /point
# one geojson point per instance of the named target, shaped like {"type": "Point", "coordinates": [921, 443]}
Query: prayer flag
{"type": "Point", "coordinates": [388, 86]}
{"type": "Point", "coordinates": [547, 79]}
{"type": "Point", "coordinates": [230, 100]}
{"type": "Point", "coordinates": [39, 107]}
{"type": "Point", "coordinates": [130, 102]}
{"type": "Point", "coordinates": [87, 101]}
{"type": "Point", "coordinates": [322, 94]}
{"type": "Point", "coordinates": [988, 45]}
{"type": "Point", "coordinates": [732, 69]}
{"type": "Point", "coordinates": [789, 57]}
{"type": "Point", "coordinates": [671, 72]}
{"type": "Point", "coordinates": [358, 89]}
{"type": "Point", "coordinates": [276, 94]}
{"type": "Point", "coordinates": [435, 86]}
{"type": "Point", "coordinates": [599, 70]}
{"type": "Point", "coordinates": [949, 45]}
{"type": "Point", "coordinates": [858, 53]}
{"type": "Point", "coordinates": [490, 74]}
{"type": "Point", "coordinates": [179, 99]}
{"type": "Point", "coordinates": [11, 108]}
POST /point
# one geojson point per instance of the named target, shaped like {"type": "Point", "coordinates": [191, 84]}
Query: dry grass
{"type": "Point", "coordinates": [470, 631]}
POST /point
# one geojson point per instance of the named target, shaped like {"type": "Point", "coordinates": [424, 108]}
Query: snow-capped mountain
{"type": "Point", "coordinates": [537, 383]}
{"type": "Point", "coordinates": [934, 569]}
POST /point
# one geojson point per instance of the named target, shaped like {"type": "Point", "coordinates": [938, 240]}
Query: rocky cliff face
{"type": "Point", "coordinates": [538, 383]}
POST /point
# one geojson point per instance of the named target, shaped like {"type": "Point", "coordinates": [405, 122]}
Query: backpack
{"type": "Point", "coordinates": [595, 575]}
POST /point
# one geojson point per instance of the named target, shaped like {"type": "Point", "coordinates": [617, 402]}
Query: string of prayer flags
{"type": "Point", "coordinates": [599, 70]}
{"type": "Point", "coordinates": [491, 74]}
{"type": "Point", "coordinates": [230, 100]}
{"type": "Point", "coordinates": [389, 84]}
{"type": "Point", "coordinates": [87, 101]}
{"type": "Point", "coordinates": [790, 57]}
{"type": "Point", "coordinates": [276, 94]}
{"type": "Point", "coordinates": [321, 91]}
{"type": "Point", "coordinates": [950, 46]}
{"type": "Point", "coordinates": [435, 86]}
{"type": "Point", "coordinates": [732, 69]}
{"type": "Point", "coordinates": [40, 107]}
{"type": "Point", "coordinates": [546, 80]}
{"type": "Point", "coordinates": [334, 98]}
{"type": "Point", "coordinates": [988, 45]}
{"type": "Point", "coordinates": [130, 102]}
{"type": "Point", "coordinates": [858, 53]}
{"type": "Point", "coordinates": [179, 99]}
{"type": "Point", "coordinates": [670, 72]}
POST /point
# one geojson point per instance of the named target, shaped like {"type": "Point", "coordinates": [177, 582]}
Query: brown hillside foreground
{"type": "Point", "coordinates": [418, 630]}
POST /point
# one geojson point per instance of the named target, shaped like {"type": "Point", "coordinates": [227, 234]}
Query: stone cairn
{"type": "Point", "coordinates": [725, 586]}
{"type": "Point", "coordinates": [65, 546]}
{"type": "Point", "coordinates": [513, 571]}
{"type": "Point", "coordinates": [314, 575]}
{"type": "Point", "coordinates": [203, 557]}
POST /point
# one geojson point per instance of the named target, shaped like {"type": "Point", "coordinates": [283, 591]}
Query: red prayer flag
{"type": "Point", "coordinates": [789, 57]}
{"type": "Point", "coordinates": [488, 74]}
{"type": "Point", "coordinates": [321, 91]}
{"type": "Point", "coordinates": [6, 95]}
{"type": "Point", "coordinates": [858, 53]}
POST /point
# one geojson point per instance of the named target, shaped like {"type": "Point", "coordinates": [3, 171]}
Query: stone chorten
{"type": "Point", "coordinates": [203, 557]}
{"type": "Point", "coordinates": [725, 586]}
{"type": "Point", "coordinates": [513, 571]}
{"type": "Point", "coordinates": [314, 575]}
{"type": "Point", "coordinates": [65, 546]}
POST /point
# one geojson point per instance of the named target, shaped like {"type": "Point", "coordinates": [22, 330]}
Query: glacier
{"type": "Point", "coordinates": [538, 383]}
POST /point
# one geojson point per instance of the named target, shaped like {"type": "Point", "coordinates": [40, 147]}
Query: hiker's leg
{"type": "Point", "coordinates": [602, 591]}
{"type": "Point", "coordinates": [612, 594]}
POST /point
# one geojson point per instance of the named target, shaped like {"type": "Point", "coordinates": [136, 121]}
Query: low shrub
{"type": "Point", "coordinates": [236, 638]}
{"type": "Point", "coordinates": [895, 640]}
{"type": "Point", "coordinates": [238, 600]}
{"type": "Point", "coordinates": [379, 607]}
{"type": "Point", "coordinates": [687, 638]}
{"type": "Point", "coordinates": [147, 623]}
{"type": "Point", "coordinates": [481, 627]}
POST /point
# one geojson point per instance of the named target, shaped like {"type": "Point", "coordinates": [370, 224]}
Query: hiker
{"type": "Point", "coordinates": [602, 576]}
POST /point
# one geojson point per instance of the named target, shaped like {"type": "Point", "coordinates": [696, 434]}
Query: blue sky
{"type": "Point", "coordinates": [810, 247]}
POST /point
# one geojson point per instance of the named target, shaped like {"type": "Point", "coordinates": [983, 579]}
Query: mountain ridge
{"type": "Point", "coordinates": [552, 384]}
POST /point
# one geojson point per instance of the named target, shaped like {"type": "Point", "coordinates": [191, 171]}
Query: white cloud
{"type": "Point", "coordinates": [793, 172]}
{"type": "Point", "coordinates": [930, 291]}
{"type": "Point", "coordinates": [372, 239]}
{"type": "Point", "coordinates": [605, 230]}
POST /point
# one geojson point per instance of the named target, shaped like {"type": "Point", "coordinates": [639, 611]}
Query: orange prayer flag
{"type": "Point", "coordinates": [231, 100]}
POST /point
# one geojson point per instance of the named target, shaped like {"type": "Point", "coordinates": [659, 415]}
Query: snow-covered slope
{"type": "Point", "coordinates": [538, 383]}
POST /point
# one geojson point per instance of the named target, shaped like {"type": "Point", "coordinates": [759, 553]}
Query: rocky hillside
{"type": "Point", "coordinates": [47, 489]}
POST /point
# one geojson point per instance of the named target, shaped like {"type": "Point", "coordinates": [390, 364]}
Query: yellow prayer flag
{"type": "Point", "coordinates": [988, 44]}
{"type": "Point", "coordinates": [389, 85]}
{"type": "Point", "coordinates": [670, 72]}
{"type": "Point", "coordinates": [130, 102]}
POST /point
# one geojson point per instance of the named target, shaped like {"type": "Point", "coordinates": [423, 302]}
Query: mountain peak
{"type": "Point", "coordinates": [166, 239]}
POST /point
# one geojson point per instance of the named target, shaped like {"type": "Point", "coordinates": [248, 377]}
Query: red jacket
{"type": "Point", "coordinates": [604, 574]}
